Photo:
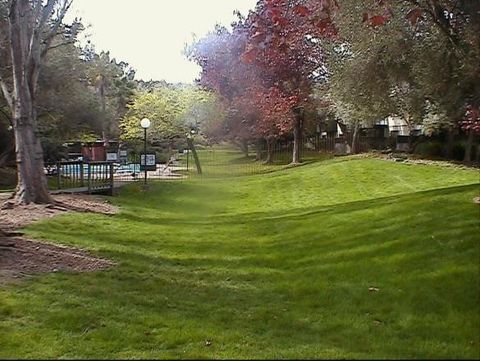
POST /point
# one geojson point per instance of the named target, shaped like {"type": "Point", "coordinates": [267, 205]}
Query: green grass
{"type": "Point", "coordinates": [223, 161]}
{"type": "Point", "coordinates": [266, 266]}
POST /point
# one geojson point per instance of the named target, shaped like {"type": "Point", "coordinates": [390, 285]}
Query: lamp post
{"type": "Point", "coordinates": [189, 135]}
{"type": "Point", "coordinates": [145, 124]}
{"type": "Point", "coordinates": [188, 154]}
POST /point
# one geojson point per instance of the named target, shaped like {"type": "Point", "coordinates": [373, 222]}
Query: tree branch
{"type": "Point", "coordinates": [63, 43]}
{"type": "Point", "coordinates": [6, 92]}
{"type": "Point", "coordinates": [61, 15]}
{"type": "Point", "coordinates": [431, 9]}
{"type": "Point", "coordinates": [6, 115]}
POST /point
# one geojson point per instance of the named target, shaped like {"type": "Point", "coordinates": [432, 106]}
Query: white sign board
{"type": "Point", "coordinates": [112, 157]}
{"type": "Point", "coordinates": [150, 160]}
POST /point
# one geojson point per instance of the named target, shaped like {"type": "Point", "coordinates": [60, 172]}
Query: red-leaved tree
{"type": "Point", "coordinates": [256, 109]}
{"type": "Point", "coordinates": [471, 125]}
{"type": "Point", "coordinates": [284, 41]}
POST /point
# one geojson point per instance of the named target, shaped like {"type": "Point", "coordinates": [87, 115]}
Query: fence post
{"type": "Point", "coordinates": [89, 177]}
{"type": "Point", "coordinates": [59, 169]}
{"type": "Point", "coordinates": [82, 176]}
{"type": "Point", "coordinates": [111, 179]}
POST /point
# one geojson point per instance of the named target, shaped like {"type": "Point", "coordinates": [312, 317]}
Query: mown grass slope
{"type": "Point", "coordinates": [277, 265]}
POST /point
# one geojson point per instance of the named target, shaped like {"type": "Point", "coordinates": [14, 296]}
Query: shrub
{"type": "Point", "coordinates": [430, 149]}
{"type": "Point", "coordinates": [8, 178]}
{"type": "Point", "coordinates": [458, 151]}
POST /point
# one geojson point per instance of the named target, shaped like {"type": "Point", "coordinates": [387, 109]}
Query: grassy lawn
{"type": "Point", "coordinates": [224, 161]}
{"type": "Point", "coordinates": [273, 266]}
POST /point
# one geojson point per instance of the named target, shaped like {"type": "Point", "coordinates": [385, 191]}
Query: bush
{"type": "Point", "coordinates": [8, 178]}
{"type": "Point", "coordinates": [162, 157]}
{"type": "Point", "coordinates": [458, 151]}
{"type": "Point", "coordinates": [430, 149]}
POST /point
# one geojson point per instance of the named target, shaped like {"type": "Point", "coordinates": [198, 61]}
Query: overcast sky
{"type": "Point", "coordinates": [150, 34]}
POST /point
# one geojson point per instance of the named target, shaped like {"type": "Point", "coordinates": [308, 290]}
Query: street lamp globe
{"type": "Point", "coordinates": [145, 123]}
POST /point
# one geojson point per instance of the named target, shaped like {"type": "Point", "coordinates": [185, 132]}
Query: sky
{"type": "Point", "coordinates": [150, 35]}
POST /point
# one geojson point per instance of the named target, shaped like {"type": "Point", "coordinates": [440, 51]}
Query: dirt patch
{"type": "Point", "coordinates": [20, 257]}
{"type": "Point", "coordinates": [13, 216]}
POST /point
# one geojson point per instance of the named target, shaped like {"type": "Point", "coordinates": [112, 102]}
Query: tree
{"type": "Point", "coordinates": [28, 32]}
{"type": "Point", "coordinates": [253, 100]}
{"type": "Point", "coordinates": [447, 58]}
{"type": "Point", "coordinates": [284, 41]}
{"type": "Point", "coordinates": [219, 55]}
{"type": "Point", "coordinates": [471, 125]}
{"type": "Point", "coordinates": [114, 86]}
{"type": "Point", "coordinates": [172, 109]}
{"type": "Point", "coordinates": [415, 59]}
{"type": "Point", "coordinates": [7, 145]}
{"type": "Point", "coordinates": [67, 106]}
{"type": "Point", "coordinates": [206, 114]}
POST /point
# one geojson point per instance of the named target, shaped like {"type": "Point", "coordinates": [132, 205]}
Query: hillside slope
{"type": "Point", "coordinates": [339, 259]}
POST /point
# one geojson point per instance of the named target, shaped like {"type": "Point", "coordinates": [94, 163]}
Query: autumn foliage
{"type": "Point", "coordinates": [471, 122]}
{"type": "Point", "coordinates": [266, 68]}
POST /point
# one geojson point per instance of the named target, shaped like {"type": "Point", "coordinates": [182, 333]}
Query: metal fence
{"type": "Point", "coordinates": [89, 177]}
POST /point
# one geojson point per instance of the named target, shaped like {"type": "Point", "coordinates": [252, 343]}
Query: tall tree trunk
{"type": "Point", "coordinates": [410, 127]}
{"type": "Point", "coordinates": [195, 155]}
{"type": "Point", "coordinates": [258, 150]}
{"type": "Point", "coordinates": [32, 183]}
{"type": "Point", "coordinates": [449, 145]}
{"type": "Point", "coordinates": [297, 135]}
{"type": "Point", "coordinates": [355, 139]}
{"type": "Point", "coordinates": [245, 147]}
{"type": "Point", "coordinates": [477, 159]}
{"type": "Point", "coordinates": [270, 143]}
{"type": "Point", "coordinates": [410, 139]}
{"type": "Point", "coordinates": [468, 148]}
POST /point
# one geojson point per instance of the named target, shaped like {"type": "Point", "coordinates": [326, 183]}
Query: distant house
{"type": "Point", "coordinates": [391, 132]}
{"type": "Point", "coordinates": [96, 151]}
{"type": "Point", "coordinates": [399, 126]}
{"type": "Point", "coordinates": [332, 128]}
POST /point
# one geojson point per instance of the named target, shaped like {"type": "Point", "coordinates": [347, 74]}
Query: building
{"type": "Point", "coordinates": [96, 151]}
{"type": "Point", "coordinates": [398, 126]}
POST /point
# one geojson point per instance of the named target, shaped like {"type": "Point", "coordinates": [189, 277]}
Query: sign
{"type": "Point", "coordinates": [123, 153]}
{"type": "Point", "coordinates": [112, 157]}
{"type": "Point", "coordinates": [151, 162]}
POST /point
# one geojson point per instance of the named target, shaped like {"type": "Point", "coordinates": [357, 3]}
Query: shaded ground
{"type": "Point", "coordinates": [20, 257]}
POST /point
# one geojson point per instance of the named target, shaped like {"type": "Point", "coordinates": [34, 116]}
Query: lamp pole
{"type": "Point", "coordinates": [145, 153]}
{"type": "Point", "coordinates": [145, 124]}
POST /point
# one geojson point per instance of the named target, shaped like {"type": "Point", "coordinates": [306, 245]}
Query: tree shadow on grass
{"type": "Point", "coordinates": [196, 211]}
{"type": "Point", "coordinates": [291, 280]}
